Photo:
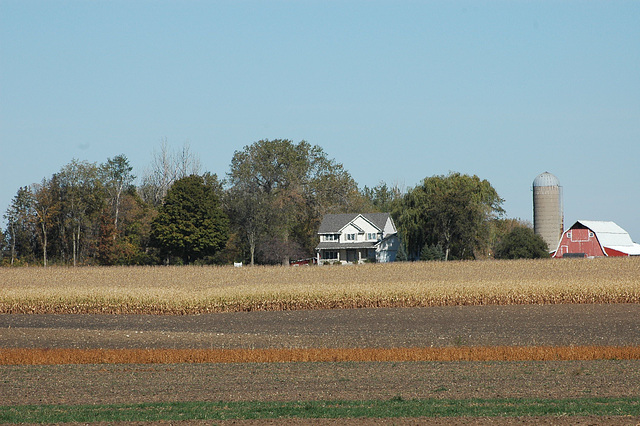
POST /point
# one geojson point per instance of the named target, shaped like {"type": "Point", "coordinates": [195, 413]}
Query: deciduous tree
{"type": "Point", "coordinates": [522, 243]}
{"type": "Point", "coordinates": [117, 179]}
{"type": "Point", "coordinates": [248, 209]}
{"type": "Point", "coordinates": [452, 211]}
{"type": "Point", "coordinates": [166, 167]}
{"type": "Point", "coordinates": [278, 192]}
{"type": "Point", "coordinates": [46, 207]}
{"type": "Point", "coordinates": [382, 196]}
{"type": "Point", "coordinates": [82, 199]}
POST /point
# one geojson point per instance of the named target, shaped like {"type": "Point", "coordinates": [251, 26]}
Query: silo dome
{"type": "Point", "coordinates": [548, 217]}
{"type": "Point", "coordinates": [546, 179]}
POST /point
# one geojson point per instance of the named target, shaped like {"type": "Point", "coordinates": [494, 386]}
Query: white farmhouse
{"type": "Point", "coordinates": [355, 238]}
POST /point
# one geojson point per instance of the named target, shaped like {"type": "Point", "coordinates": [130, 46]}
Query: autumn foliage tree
{"type": "Point", "coordinates": [267, 211]}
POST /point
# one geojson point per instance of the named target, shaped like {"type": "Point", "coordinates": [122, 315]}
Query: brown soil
{"type": "Point", "coordinates": [523, 325]}
{"type": "Point", "coordinates": [553, 325]}
{"type": "Point", "coordinates": [133, 383]}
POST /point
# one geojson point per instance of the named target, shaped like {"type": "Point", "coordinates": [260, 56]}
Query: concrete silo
{"type": "Point", "coordinates": [548, 217]}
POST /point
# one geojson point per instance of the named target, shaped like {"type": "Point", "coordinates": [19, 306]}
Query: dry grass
{"type": "Point", "coordinates": [174, 356]}
{"type": "Point", "coordinates": [191, 290]}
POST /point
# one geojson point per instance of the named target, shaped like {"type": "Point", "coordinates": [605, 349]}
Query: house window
{"type": "Point", "coordinates": [569, 235]}
{"type": "Point", "coordinates": [351, 237]}
{"type": "Point", "coordinates": [330, 255]}
{"type": "Point", "coordinates": [372, 236]}
{"type": "Point", "coordinates": [590, 234]}
{"type": "Point", "coordinates": [332, 237]}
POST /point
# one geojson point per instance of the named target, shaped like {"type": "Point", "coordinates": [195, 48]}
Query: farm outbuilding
{"type": "Point", "coordinates": [592, 238]}
{"type": "Point", "coordinates": [548, 216]}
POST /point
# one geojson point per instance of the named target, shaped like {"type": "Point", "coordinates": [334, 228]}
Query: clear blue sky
{"type": "Point", "coordinates": [395, 90]}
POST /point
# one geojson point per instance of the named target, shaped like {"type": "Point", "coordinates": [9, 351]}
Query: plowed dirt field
{"type": "Point", "coordinates": [514, 325]}
{"type": "Point", "coordinates": [528, 325]}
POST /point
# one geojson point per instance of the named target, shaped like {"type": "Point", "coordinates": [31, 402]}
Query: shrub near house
{"type": "Point", "coordinates": [522, 243]}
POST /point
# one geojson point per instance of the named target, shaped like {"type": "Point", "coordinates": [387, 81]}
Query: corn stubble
{"type": "Point", "coordinates": [196, 289]}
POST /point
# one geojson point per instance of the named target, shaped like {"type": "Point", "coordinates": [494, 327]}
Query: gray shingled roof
{"type": "Point", "coordinates": [334, 245]}
{"type": "Point", "coordinates": [333, 223]}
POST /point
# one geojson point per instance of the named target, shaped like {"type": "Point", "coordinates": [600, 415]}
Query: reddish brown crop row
{"type": "Point", "coordinates": [172, 356]}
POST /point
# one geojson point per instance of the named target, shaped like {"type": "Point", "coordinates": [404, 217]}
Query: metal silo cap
{"type": "Point", "coordinates": [546, 179]}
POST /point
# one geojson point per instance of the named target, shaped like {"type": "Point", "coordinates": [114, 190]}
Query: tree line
{"type": "Point", "coordinates": [265, 210]}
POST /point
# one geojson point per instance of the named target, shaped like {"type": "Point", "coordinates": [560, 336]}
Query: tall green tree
{"type": "Point", "coordinates": [278, 192]}
{"type": "Point", "coordinates": [46, 207]}
{"type": "Point", "coordinates": [382, 197]}
{"type": "Point", "coordinates": [20, 225]}
{"type": "Point", "coordinates": [190, 224]}
{"type": "Point", "coordinates": [3, 245]}
{"type": "Point", "coordinates": [248, 208]}
{"type": "Point", "coordinates": [498, 230]}
{"type": "Point", "coordinates": [452, 211]}
{"type": "Point", "coordinates": [82, 198]}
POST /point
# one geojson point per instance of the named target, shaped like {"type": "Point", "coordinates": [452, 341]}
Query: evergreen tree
{"type": "Point", "coordinates": [432, 252]}
{"type": "Point", "coordinates": [20, 226]}
{"type": "Point", "coordinates": [190, 224]}
{"type": "Point", "coordinates": [3, 245]}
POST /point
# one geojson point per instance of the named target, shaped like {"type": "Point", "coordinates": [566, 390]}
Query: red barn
{"type": "Point", "coordinates": [591, 238]}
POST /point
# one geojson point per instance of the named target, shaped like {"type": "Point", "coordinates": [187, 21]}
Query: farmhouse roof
{"type": "Point", "coordinates": [334, 245]}
{"type": "Point", "coordinates": [610, 235]}
{"type": "Point", "coordinates": [333, 223]}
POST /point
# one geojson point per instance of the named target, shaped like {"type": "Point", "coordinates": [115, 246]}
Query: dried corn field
{"type": "Point", "coordinates": [191, 290]}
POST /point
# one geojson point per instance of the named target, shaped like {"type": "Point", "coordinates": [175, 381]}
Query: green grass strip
{"type": "Point", "coordinates": [396, 407]}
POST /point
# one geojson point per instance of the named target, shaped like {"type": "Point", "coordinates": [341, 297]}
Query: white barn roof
{"type": "Point", "coordinates": [612, 236]}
